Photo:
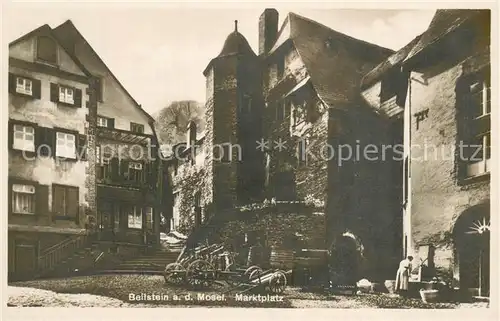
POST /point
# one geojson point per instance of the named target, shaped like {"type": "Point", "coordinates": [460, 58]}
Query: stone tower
{"type": "Point", "coordinates": [232, 115]}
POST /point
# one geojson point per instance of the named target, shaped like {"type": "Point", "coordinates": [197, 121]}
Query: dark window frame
{"type": "Point", "coordinates": [16, 180]}
{"type": "Point", "coordinates": [135, 126]}
{"type": "Point", "coordinates": [474, 126]}
{"type": "Point", "coordinates": [55, 48]}
{"type": "Point", "coordinates": [65, 188]}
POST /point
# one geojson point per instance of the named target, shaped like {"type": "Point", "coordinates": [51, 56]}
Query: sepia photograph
{"type": "Point", "coordinates": [261, 157]}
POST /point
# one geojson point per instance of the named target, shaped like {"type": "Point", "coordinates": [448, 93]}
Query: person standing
{"type": "Point", "coordinates": [403, 276]}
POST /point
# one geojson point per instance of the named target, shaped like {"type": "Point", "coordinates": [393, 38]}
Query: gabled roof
{"type": "Point", "coordinates": [318, 47]}
{"type": "Point", "coordinates": [443, 22]}
{"type": "Point", "coordinates": [394, 60]}
{"type": "Point", "coordinates": [68, 34]}
{"type": "Point", "coordinates": [47, 30]}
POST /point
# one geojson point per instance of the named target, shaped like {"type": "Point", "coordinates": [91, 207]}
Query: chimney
{"type": "Point", "coordinates": [191, 134]}
{"type": "Point", "coordinates": [268, 30]}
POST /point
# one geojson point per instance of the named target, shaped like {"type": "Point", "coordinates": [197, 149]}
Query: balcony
{"type": "Point", "coordinates": [124, 136]}
{"type": "Point", "coordinates": [120, 173]}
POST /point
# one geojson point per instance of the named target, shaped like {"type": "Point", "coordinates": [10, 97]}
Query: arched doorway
{"type": "Point", "coordinates": [345, 259]}
{"type": "Point", "coordinates": [472, 245]}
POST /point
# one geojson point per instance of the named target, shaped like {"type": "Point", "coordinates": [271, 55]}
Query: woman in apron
{"type": "Point", "coordinates": [403, 275]}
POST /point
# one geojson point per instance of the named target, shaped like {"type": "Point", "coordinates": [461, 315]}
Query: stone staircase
{"type": "Point", "coordinates": [70, 257]}
{"type": "Point", "coordinates": [149, 263]}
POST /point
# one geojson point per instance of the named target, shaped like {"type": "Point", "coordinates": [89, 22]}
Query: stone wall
{"type": "Point", "coordinates": [439, 192]}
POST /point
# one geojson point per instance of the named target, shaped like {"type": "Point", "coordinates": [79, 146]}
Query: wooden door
{"type": "Point", "coordinates": [25, 260]}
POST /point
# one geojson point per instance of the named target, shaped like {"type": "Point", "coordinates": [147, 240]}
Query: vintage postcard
{"type": "Point", "coordinates": [254, 157]}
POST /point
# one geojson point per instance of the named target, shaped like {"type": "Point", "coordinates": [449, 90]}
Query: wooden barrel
{"type": "Point", "coordinates": [282, 258]}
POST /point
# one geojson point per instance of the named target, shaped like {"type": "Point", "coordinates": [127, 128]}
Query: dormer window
{"type": "Point", "coordinates": [46, 49]}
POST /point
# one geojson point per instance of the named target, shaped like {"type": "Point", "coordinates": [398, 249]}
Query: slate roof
{"type": "Point", "coordinates": [47, 30]}
{"type": "Point", "coordinates": [394, 60]}
{"type": "Point", "coordinates": [236, 43]}
{"type": "Point", "coordinates": [319, 47]}
{"type": "Point", "coordinates": [67, 34]}
{"type": "Point", "coordinates": [443, 22]}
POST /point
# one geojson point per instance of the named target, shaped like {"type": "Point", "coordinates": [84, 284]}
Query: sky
{"type": "Point", "coordinates": [159, 52]}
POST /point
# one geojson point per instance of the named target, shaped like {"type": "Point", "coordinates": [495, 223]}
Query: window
{"type": "Point", "coordinates": [24, 138]}
{"type": "Point", "coordinates": [478, 103]}
{"type": "Point", "coordinates": [23, 199]}
{"type": "Point", "coordinates": [65, 145]}
{"type": "Point", "coordinates": [102, 122]}
{"type": "Point", "coordinates": [103, 162]}
{"type": "Point", "coordinates": [135, 171]}
{"type": "Point", "coordinates": [65, 201]}
{"type": "Point", "coordinates": [46, 49]}
{"type": "Point", "coordinates": [302, 151]}
{"type": "Point", "coordinates": [24, 86]}
{"type": "Point", "coordinates": [137, 128]}
{"type": "Point", "coordinates": [479, 155]}
{"type": "Point", "coordinates": [66, 95]}
{"type": "Point", "coordinates": [149, 217]}
{"type": "Point", "coordinates": [135, 217]}
{"type": "Point", "coordinates": [480, 98]}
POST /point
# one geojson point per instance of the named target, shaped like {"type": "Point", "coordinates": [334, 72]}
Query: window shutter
{"type": "Point", "coordinates": [98, 86]}
{"type": "Point", "coordinates": [50, 140]}
{"type": "Point", "coordinates": [123, 167]}
{"type": "Point", "coordinates": [58, 201]}
{"type": "Point", "coordinates": [111, 123]}
{"type": "Point", "coordinates": [42, 200]}
{"type": "Point", "coordinates": [54, 92]}
{"type": "Point", "coordinates": [11, 135]}
{"type": "Point", "coordinates": [149, 218]}
{"type": "Point", "coordinates": [115, 164]}
{"type": "Point", "coordinates": [37, 88]}
{"type": "Point", "coordinates": [82, 147]}
{"type": "Point", "coordinates": [44, 136]}
{"type": "Point", "coordinates": [12, 83]}
{"type": "Point", "coordinates": [39, 139]}
{"type": "Point", "coordinates": [72, 203]}
{"type": "Point", "coordinates": [77, 97]}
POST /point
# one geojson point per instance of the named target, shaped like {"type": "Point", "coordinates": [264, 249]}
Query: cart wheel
{"type": "Point", "coordinates": [174, 274]}
{"type": "Point", "coordinates": [254, 273]}
{"type": "Point", "coordinates": [200, 273]}
{"type": "Point", "coordinates": [277, 284]}
{"type": "Point", "coordinates": [250, 269]}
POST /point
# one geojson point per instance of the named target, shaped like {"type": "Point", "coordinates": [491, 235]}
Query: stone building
{"type": "Point", "coordinates": [441, 82]}
{"type": "Point", "coordinates": [128, 172]}
{"type": "Point", "coordinates": [301, 95]}
{"type": "Point", "coordinates": [79, 155]}
{"type": "Point", "coordinates": [50, 148]}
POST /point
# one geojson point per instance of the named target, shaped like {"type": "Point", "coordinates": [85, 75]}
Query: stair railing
{"type": "Point", "coordinates": [52, 256]}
